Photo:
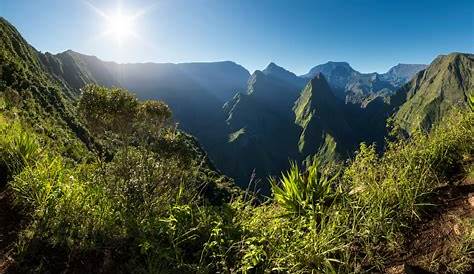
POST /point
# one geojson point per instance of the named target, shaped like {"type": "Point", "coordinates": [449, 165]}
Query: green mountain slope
{"type": "Point", "coordinates": [445, 84]}
{"type": "Point", "coordinates": [321, 117]}
{"type": "Point", "coordinates": [38, 96]}
{"type": "Point", "coordinates": [34, 95]}
{"type": "Point", "coordinates": [77, 70]}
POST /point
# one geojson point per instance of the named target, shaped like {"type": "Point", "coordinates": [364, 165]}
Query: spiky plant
{"type": "Point", "coordinates": [299, 191]}
{"type": "Point", "coordinates": [17, 148]}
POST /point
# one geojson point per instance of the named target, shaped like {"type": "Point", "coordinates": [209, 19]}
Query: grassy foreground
{"type": "Point", "coordinates": [145, 200]}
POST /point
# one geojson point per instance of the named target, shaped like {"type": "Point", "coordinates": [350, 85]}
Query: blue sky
{"type": "Point", "coordinates": [371, 35]}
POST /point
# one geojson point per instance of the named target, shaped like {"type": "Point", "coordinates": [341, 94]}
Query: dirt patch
{"type": "Point", "coordinates": [430, 244]}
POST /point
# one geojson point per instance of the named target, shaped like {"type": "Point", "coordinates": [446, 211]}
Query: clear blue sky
{"type": "Point", "coordinates": [372, 35]}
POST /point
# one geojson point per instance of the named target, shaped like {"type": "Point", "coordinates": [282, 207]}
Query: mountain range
{"type": "Point", "coordinates": [252, 125]}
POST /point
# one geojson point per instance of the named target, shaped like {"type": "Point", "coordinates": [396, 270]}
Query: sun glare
{"type": "Point", "coordinates": [119, 26]}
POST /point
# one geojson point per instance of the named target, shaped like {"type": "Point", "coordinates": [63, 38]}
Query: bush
{"type": "Point", "coordinates": [109, 111]}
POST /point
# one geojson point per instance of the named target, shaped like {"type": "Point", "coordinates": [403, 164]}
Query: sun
{"type": "Point", "coordinates": [120, 26]}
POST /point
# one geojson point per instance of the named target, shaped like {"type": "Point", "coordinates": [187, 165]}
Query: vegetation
{"type": "Point", "coordinates": [145, 209]}
{"type": "Point", "coordinates": [447, 82]}
{"type": "Point", "coordinates": [107, 183]}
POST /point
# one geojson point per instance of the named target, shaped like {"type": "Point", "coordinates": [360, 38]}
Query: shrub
{"type": "Point", "coordinates": [105, 109]}
{"type": "Point", "coordinates": [309, 190]}
{"type": "Point", "coordinates": [66, 208]}
{"type": "Point", "coordinates": [284, 243]}
{"type": "Point", "coordinates": [116, 111]}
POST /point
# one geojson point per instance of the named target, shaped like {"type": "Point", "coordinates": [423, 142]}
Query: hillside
{"type": "Point", "coordinates": [34, 94]}
{"type": "Point", "coordinates": [321, 118]}
{"type": "Point", "coordinates": [445, 84]}
{"type": "Point", "coordinates": [194, 91]}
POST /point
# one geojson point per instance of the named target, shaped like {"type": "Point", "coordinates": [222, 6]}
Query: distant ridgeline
{"type": "Point", "coordinates": [250, 126]}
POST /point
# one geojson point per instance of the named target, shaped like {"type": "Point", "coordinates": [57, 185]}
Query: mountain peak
{"type": "Point", "coordinates": [275, 71]}
{"type": "Point", "coordinates": [402, 73]}
{"type": "Point", "coordinates": [337, 63]}
{"type": "Point", "coordinates": [274, 68]}
{"type": "Point", "coordinates": [272, 65]}
{"type": "Point", "coordinates": [318, 113]}
{"type": "Point", "coordinates": [320, 86]}
{"type": "Point", "coordinates": [330, 68]}
{"type": "Point", "coordinates": [318, 77]}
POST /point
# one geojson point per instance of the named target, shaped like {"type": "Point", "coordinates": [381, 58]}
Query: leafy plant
{"type": "Point", "coordinates": [116, 111]}
{"type": "Point", "coordinates": [17, 149]}
{"type": "Point", "coordinates": [309, 190]}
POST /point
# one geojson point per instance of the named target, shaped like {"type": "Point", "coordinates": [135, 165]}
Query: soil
{"type": "Point", "coordinates": [438, 230]}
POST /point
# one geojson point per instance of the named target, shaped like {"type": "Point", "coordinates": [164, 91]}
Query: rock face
{"type": "Point", "coordinates": [354, 87]}
{"type": "Point", "coordinates": [402, 73]}
{"type": "Point", "coordinates": [446, 83]}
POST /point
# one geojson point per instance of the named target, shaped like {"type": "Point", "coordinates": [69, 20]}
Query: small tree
{"type": "Point", "coordinates": [151, 117]}
{"type": "Point", "coordinates": [117, 111]}
{"type": "Point", "coordinates": [106, 109]}
{"type": "Point", "coordinates": [12, 98]}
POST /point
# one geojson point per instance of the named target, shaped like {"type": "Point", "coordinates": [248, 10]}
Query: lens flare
{"type": "Point", "coordinates": [119, 25]}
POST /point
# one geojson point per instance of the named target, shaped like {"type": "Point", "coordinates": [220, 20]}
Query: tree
{"type": "Point", "coordinates": [151, 117]}
{"type": "Point", "coordinates": [117, 111]}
